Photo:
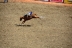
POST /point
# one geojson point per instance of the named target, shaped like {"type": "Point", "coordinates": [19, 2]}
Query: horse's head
{"type": "Point", "coordinates": [21, 18]}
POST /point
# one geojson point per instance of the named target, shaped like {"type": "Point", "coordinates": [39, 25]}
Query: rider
{"type": "Point", "coordinates": [29, 14]}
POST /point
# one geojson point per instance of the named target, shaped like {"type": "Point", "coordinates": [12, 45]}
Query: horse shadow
{"type": "Point", "coordinates": [71, 17]}
{"type": "Point", "coordinates": [23, 25]}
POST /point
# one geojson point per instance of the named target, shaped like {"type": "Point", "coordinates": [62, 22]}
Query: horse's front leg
{"type": "Point", "coordinates": [23, 21]}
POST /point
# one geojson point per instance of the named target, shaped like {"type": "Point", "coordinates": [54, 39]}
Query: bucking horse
{"type": "Point", "coordinates": [28, 17]}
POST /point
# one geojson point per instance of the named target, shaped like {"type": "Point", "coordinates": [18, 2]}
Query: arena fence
{"type": "Point", "coordinates": [59, 1]}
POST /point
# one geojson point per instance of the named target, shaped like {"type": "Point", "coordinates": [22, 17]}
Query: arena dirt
{"type": "Point", "coordinates": [53, 31]}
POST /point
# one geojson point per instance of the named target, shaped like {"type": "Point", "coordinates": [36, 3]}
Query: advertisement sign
{"type": "Point", "coordinates": [56, 1]}
{"type": "Point", "coordinates": [70, 0]}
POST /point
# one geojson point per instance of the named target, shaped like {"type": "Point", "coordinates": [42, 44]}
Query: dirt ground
{"type": "Point", "coordinates": [52, 31]}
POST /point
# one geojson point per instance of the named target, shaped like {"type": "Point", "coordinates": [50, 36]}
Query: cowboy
{"type": "Point", "coordinates": [29, 14]}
